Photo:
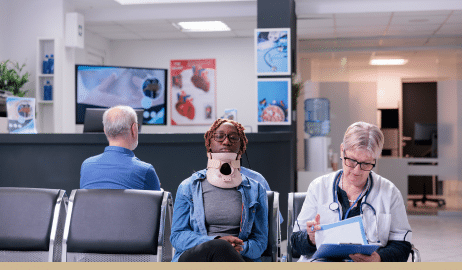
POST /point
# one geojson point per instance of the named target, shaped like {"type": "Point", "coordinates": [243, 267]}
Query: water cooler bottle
{"type": "Point", "coordinates": [317, 125]}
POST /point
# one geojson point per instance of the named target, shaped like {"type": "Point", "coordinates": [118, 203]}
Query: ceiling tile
{"type": "Point", "coordinates": [358, 15]}
{"type": "Point", "coordinates": [106, 28]}
{"type": "Point", "coordinates": [162, 35]}
{"type": "Point", "coordinates": [455, 19]}
{"type": "Point", "coordinates": [237, 25]}
{"type": "Point", "coordinates": [315, 23]}
{"type": "Point", "coordinates": [404, 42]}
{"type": "Point", "coordinates": [362, 21]}
{"type": "Point", "coordinates": [417, 20]}
{"type": "Point", "coordinates": [450, 29]}
{"type": "Point", "coordinates": [120, 35]}
{"type": "Point", "coordinates": [210, 34]}
{"type": "Point", "coordinates": [244, 33]}
{"type": "Point", "coordinates": [312, 33]}
{"type": "Point", "coordinates": [422, 13]}
{"type": "Point", "coordinates": [149, 27]}
{"type": "Point", "coordinates": [445, 41]}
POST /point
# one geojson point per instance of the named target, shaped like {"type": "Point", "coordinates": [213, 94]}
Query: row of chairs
{"type": "Point", "coordinates": [107, 225]}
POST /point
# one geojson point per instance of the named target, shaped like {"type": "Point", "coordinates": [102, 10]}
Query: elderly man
{"type": "Point", "coordinates": [117, 167]}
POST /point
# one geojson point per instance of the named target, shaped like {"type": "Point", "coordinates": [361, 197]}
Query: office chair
{"type": "Point", "coordinates": [113, 225]}
{"type": "Point", "coordinates": [296, 200]}
{"type": "Point", "coordinates": [31, 224]}
{"type": "Point", "coordinates": [274, 229]}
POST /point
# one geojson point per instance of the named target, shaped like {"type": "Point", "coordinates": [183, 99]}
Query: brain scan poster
{"type": "Point", "coordinates": [193, 92]}
{"type": "Point", "coordinates": [274, 106]}
{"type": "Point", "coordinates": [21, 115]}
{"type": "Point", "coordinates": [272, 51]}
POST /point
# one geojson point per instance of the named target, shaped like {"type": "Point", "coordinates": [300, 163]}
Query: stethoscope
{"type": "Point", "coordinates": [335, 206]}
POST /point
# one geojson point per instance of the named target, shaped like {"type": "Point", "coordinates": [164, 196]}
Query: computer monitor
{"type": "Point", "coordinates": [108, 86]}
{"type": "Point", "coordinates": [93, 121]}
{"type": "Point", "coordinates": [425, 133]}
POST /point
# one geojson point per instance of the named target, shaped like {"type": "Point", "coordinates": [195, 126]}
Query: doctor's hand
{"type": "Point", "coordinates": [312, 227]}
{"type": "Point", "coordinates": [375, 257]}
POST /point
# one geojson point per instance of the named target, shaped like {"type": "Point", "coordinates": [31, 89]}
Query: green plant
{"type": "Point", "coordinates": [296, 89]}
{"type": "Point", "coordinates": [11, 79]}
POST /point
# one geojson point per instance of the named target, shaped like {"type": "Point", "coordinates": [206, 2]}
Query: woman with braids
{"type": "Point", "coordinates": [220, 214]}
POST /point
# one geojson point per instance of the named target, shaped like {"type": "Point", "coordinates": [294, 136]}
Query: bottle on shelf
{"type": "Point", "coordinates": [48, 91]}
{"type": "Point", "coordinates": [45, 65]}
{"type": "Point", "coordinates": [51, 65]}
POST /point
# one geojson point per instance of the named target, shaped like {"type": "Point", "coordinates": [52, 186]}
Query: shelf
{"type": "Point", "coordinates": [45, 109]}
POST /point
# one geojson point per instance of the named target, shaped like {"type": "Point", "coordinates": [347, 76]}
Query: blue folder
{"type": "Point", "coordinates": [340, 252]}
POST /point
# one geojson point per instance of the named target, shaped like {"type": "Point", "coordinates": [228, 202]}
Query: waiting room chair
{"type": "Point", "coordinates": [110, 225]}
{"type": "Point", "coordinates": [295, 204]}
{"type": "Point", "coordinates": [31, 224]}
{"type": "Point", "coordinates": [274, 229]}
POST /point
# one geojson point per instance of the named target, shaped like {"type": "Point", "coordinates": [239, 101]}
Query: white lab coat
{"type": "Point", "coordinates": [384, 197]}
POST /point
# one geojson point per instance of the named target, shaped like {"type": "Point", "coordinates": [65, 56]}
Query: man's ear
{"type": "Point", "coordinates": [134, 128]}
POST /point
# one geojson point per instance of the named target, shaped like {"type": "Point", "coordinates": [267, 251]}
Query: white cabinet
{"type": "Point", "coordinates": [45, 117]}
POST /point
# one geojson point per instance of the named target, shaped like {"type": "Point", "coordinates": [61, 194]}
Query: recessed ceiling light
{"type": "Point", "coordinates": [140, 2]}
{"type": "Point", "coordinates": [209, 26]}
{"type": "Point", "coordinates": [387, 62]}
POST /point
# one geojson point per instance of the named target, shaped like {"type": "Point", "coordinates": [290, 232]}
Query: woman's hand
{"type": "Point", "coordinates": [375, 257]}
{"type": "Point", "coordinates": [234, 241]}
{"type": "Point", "coordinates": [312, 227]}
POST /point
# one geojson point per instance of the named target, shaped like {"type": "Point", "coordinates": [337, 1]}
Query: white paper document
{"type": "Point", "coordinates": [348, 231]}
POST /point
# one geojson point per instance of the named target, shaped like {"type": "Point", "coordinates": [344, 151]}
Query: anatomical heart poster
{"type": "Point", "coordinates": [274, 102]}
{"type": "Point", "coordinates": [193, 92]}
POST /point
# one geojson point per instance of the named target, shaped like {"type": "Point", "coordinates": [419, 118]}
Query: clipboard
{"type": "Point", "coordinates": [339, 252]}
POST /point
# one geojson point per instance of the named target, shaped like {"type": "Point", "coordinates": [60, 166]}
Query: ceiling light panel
{"type": "Point", "coordinates": [387, 62]}
{"type": "Point", "coordinates": [209, 26]}
{"type": "Point", "coordinates": [141, 2]}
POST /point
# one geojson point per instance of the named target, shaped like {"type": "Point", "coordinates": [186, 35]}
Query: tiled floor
{"type": "Point", "coordinates": [438, 238]}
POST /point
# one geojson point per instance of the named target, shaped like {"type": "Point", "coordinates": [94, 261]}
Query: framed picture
{"type": "Point", "coordinates": [274, 102]}
{"type": "Point", "coordinates": [193, 92]}
{"type": "Point", "coordinates": [272, 51]}
{"type": "Point", "coordinates": [21, 115]}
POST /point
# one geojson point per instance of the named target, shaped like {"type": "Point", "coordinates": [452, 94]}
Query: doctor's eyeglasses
{"type": "Point", "coordinates": [353, 163]}
{"type": "Point", "coordinates": [220, 137]}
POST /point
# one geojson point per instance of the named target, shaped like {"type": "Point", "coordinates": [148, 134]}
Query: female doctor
{"type": "Point", "coordinates": [352, 191]}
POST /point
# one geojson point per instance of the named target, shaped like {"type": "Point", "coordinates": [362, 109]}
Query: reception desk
{"type": "Point", "coordinates": [54, 160]}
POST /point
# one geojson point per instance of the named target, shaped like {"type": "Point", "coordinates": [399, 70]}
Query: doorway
{"type": "Point", "coordinates": [419, 118]}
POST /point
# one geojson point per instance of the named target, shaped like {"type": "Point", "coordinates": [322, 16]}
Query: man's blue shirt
{"type": "Point", "coordinates": [117, 168]}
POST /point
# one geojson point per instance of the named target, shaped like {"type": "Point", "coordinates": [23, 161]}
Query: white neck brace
{"type": "Point", "coordinates": [221, 175]}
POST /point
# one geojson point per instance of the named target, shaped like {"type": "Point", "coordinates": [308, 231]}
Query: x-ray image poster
{"type": "Point", "coordinates": [193, 92]}
{"type": "Point", "coordinates": [274, 106]}
{"type": "Point", "coordinates": [272, 51]}
{"type": "Point", "coordinates": [21, 115]}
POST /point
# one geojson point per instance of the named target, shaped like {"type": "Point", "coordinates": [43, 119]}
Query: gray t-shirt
{"type": "Point", "coordinates": [223, 208]}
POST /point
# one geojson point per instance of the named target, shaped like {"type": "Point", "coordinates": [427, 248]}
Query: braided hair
{"type": "Point", "coordinates": [240, 130]}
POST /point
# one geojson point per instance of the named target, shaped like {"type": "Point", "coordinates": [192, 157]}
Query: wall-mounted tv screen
{"type": "Point", "coordinates": [107, 86]}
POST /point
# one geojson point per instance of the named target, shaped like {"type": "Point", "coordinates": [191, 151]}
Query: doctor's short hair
{"type": "Point", "coordinates": [118, 120]}
{"type": "Point", "coordinates": [364, 136]}
{"type": "Point", "coordinates": [240, 130]}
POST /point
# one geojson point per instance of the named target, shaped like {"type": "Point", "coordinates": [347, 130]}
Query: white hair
{"type": "Point", "coordinates": [118, 120]}
{"type": "Point", "coordinates": [365, 136]}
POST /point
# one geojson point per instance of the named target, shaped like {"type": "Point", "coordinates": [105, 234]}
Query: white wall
{"type": "Point", "coordinates": [22, 22]}
{"type": "Point", "coordinates": [236, 79]}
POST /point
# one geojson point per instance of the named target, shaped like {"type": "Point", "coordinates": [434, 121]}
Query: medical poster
{"type": "Point", "coordinates": [193, 94]}
{"type": "Point", "coordinates": [21, 115]}
{"type": "Point", "coordinates": [274, 106]}
{"type": "Point", "coordinates": [272, 51]}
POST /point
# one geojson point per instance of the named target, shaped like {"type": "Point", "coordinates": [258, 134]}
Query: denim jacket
{"type": "Point", "coordinates": [188, 224]}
